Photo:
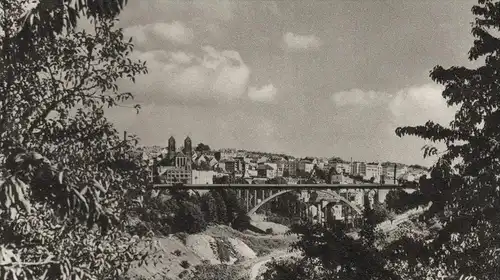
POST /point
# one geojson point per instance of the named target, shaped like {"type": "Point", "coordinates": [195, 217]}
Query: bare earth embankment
{"type": "Point", "coordinates": [217, 245]}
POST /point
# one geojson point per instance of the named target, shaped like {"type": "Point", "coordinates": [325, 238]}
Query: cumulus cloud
{"type": "Point", "coordinates": [175, 32]}
{"type": "Point", "coordinates": [416, 105]}
{"type": "Point", "coordinates": [210, 74]}
{"type": "Point", "coordinates": [297, 42]}
{"type": "Point", "coordinates": [355, 97]}
{"type": "Point", "coordinates": [264, 94]}
{"type": "Point", "coordinates": [181, 57]}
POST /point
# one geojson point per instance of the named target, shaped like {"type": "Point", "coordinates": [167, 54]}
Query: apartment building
{"type": "Point", "coordinates": [305, 166]}
{"type": "Point", "coordinates": [373, 170]}
{"type": "Point", "coordinates": [358, 169]}
{"type": "Point", "coordinates": [202, 177]}
{"type": "Point", "coordinates": [342, 168]}
{"type": "Point", "coordinates": [267, 170]}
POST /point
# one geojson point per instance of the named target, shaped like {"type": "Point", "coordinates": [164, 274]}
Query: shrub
{"type": "Point", "coordinates": [211, 272]}
{"type": "Point", "coordinates": [177, 253]}
{"type": "Point", "coordinates": [241, 222]}
{"type": "Point", "coordinates": [223, 249]}
{"type": "Point", "coordinates": [185, 264]}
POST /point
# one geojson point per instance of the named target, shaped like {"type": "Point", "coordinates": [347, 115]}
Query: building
{"type": "Point", "coordinates": [342, 168]}
{"type": "Point", "coordinates": [230, 165]}
{"type": "Point", "coordinates": [340, 179]}
{"type": "Point", "coordinates": [280, 168]}
{"type": "Point", "coordinates": [373, 170]}
{"type": "Point", "coordinates": [305, 166]}
{"type": "Point", "coordinates": [358, 169]}
{"type": "Point", "coordinates": [262, 159]}
{"type": "Point", "coordinates": [291, 166]}
{"type": "Point", "coordinates": [388, 172]}
{"type": "Point", "coordinates": [202, 177]}
{"type": "Point", "coordinates": [266, 170]}
{"type": "Point", "coordinates": [176, 166]}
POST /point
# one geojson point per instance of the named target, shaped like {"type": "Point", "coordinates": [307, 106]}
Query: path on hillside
{"type": "Point", "coordinates": [257, 265]}
{"type": "Point", "coordinates": [254, 267]}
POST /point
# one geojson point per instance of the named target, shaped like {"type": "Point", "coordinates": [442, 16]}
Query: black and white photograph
{"type": "Point", "coordinates": [249, 139]}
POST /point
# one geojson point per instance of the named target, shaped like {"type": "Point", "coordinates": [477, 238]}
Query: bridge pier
{"type": "Point", "coordinates": [319, 216]}
{"type": "Point", "coordinates": [254, 198]}
{"type": "Point", "coordinates": [247, 199]}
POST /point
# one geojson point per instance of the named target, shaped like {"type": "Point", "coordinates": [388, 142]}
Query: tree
{"type": "Point", "coordinates": [330, 254]}
{"type": "Point", "coordinates": [190, 218]}
{"type": "Point", "coordinates": [63, 201]}
{"type": "Point", "coordinates": [209, 207]}
{"type": "Point", "coordinates": [465, 196]}
{"type": "Point", "coordinates": [48, 18]}
{"type": "Point", "coordinates": [220, 206]}
{"type": "Point", "coordinates": [233, 205]}
{"type": "Point", "coordinates": [202, 148]}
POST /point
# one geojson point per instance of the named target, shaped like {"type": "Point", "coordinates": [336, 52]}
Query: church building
{"type": "Point", "coordinates": [176, 165]}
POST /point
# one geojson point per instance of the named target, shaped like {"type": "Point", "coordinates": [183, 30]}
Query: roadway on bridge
{"type": "Point", "coordinates": [280, 186]}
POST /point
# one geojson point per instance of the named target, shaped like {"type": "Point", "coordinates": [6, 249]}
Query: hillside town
{"type": "Point", "coordinates": [200, 165]}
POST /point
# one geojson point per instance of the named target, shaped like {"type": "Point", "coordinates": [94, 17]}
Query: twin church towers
{"type": "Point", "coordinates": [187, 150]}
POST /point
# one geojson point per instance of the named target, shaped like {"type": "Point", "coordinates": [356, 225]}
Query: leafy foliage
{"type": "Point", "coordinates": [190, 219]}
{"type": "Point", "coordinates": [64, 199]}
{"type": "Point", "coordinates": [49, 18]}
{"type": "Point", "coordinates": [465, 198]}
{"type": "Point", "coordinates": [208, 272]}
{"type": "Point", "coordinates": [202, 148]}
{"type": "Point", "coordinates": [328, 253]}
{"type": "Point", "coordinates": [220, 207]}
{"type": "Point", "coordinates": [209, 207]}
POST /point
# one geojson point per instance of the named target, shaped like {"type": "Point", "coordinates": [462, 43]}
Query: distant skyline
{"type": "Point", "coordinates": [305, 78]}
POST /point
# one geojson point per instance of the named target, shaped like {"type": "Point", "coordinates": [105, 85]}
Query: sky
{"type": "Point", "coordinates": [307, 78]}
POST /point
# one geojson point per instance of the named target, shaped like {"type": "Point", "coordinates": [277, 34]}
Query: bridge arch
{"type": "Point", "coordinates": [333, 193]}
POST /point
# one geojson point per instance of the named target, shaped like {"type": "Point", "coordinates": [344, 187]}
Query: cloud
{"type": "Point", "coordinates": [175, 32]}
{"type": "Point", "coordinates": [181, 57]}
{"type": "Point", "coordinates": [264, 94]}
{"type": "Point", "coordinates": [296, 42]}
{"type": "Point", "coordinates": [211, 74]}
{"type": "Point", "coordinates": [355, 97]}
{"type": "Point", "coordinates": [416, 105]}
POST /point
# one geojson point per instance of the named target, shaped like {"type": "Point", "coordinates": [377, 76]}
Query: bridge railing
{"type": "Point", "coordinates": [281, 186]}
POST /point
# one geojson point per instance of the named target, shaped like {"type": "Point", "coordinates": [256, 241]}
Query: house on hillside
{"type": "Point", "coordinates": [266, 170]}
{"type": "Point", "coordinates": [263, 159]}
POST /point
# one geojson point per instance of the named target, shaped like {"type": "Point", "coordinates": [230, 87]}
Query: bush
{"type": "Point", "coordinates": [223, 249]}
{"type": "Point", "coordinates": [185, 264]}
{"type": "Point", "coordinates": [211, 272]}
{"type": "Point", "coordinates": [241, 222]}
{"type": "Point", "coordinates": [177, 253]}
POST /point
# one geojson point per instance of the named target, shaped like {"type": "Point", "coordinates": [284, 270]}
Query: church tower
{"type": "Point", "coordinates": [171, 147]}
{"type": "Point", "coordinates": [188, 147]}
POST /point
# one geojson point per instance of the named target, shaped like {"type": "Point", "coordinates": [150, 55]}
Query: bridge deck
{"type": "Point", "coordinates": [279, 186]}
